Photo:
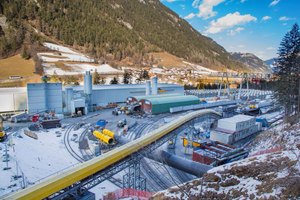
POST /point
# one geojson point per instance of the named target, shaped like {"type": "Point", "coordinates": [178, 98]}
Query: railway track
{"type": "Point", "coordinates": [158, 179]}
{"type": "Point", "coordinates": [85, 154]}
{"type": "Point", "coordinates": [181, 176]}
{"type": "Point", "coordinates": [68, 145]}
{"type": "Point", "coordinates": [159, 182]}
{"type": "Point", "coordinates": [140, 130]}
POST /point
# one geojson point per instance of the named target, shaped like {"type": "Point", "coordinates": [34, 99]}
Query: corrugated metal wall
{"type": "Point", "coordinates": [104, 96]}
{"type": "Point", "coordinates": [165, 108]}
{"type": "Point", "coordinates": [43, 96]}
{"type": "Point", "coordinates": [13, 99]}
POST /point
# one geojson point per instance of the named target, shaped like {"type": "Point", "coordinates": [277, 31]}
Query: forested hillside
{"type": "Point", "coordinates": [251, 61]}
{"type": "Point", "coordinates": [110, 28]}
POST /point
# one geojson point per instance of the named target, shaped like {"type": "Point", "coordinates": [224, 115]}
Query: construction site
{"type": "Point", "coordinates": [118, 141]}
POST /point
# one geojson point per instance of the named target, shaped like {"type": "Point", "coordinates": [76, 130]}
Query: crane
{"type": "Point", "coordinates": [226, 84]}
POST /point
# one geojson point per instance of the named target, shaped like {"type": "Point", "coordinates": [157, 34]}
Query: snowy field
{"type": "Point", "coordinates": [37, 160]}
{"type": "Point", "coordinates": [65, 54]}
{"type": "Point", "coordinates": [200, 69]}
{"type": "Point", "coordinates": [75, 69]}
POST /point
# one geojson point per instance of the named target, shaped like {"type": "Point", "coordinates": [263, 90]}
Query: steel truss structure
{"type": "Point", "coordinates": [78, 189]}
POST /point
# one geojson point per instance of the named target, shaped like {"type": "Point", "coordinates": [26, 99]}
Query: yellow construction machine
{"type": "Point", "coordinates": [2, 133]}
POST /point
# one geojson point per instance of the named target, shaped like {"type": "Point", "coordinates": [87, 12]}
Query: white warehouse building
{"type": "Point", "coordinates": [13, 99]}
{"type": "Point", "coordinates": [233, 129]}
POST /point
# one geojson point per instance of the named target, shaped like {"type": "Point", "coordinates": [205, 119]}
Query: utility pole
{"type": "Point", "coordinates": [6, 158]}
{"type": "Point", "coordinates": [219, 92]}
{"type": "Point", "coordinates": [299, 96]}
{"type": "Point", "coordinates": [241, 85]}
{"type": "Point", "coordinates": [247, 86]}
{"type": "Point", "coordinates": [23, 181]}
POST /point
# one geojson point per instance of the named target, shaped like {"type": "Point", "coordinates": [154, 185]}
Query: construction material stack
{"type": "Point", "coordinates": [106, 136]}
{"type": "Point", "coordinates": [51, 123]}
{"type": "Point", "coordinates": [231, 130]}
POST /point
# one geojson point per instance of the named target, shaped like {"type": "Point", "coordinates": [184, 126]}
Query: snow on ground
{"type": "Point", "coordinates": [75, 69]}
{"type": "Point", "coordinates": [65, 54]}
{"type": "Point", "coordinates": [270, 176]}
{"type": "Point", "coordinates": [157, 70]}
{"type": "Point", "coordinates": [282, 136]}
{"type": "Point", "coordinates": [60, 48]}
{"type": "Point", "coordinates": [103, 188]}
{"type": "Point", "coordinates": [274, 175]}
{"type": "Point", "coordinates": [36, 159]}
{"type": "Point", "coordinates": [53, 57]}
{"type": "Point", "coordinates": [200, 68]}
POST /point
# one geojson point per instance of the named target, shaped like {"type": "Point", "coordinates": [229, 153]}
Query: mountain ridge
{"type": "Point", "coordinates": [118, 29]}
{"type": "Point", "coordinates": [251, 61]}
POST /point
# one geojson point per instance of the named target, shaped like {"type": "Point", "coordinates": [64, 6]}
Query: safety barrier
{"type": "Point", "coordinates": [125, 193]}
{"type": "Point", "coordinates": [271, 150]}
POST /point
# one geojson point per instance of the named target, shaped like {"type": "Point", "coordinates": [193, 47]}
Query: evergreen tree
{"type": "Point", "coordinates": [114, 81]}
{"type": "Point", "coordinates": [127, 78]}
{"type": "Point", "coordinates": [288, 71]}
{"type": "Point", "coordinates": [144, 75]}
{"type": "Point", "coordinates": [71, 80]}
{"type": "Point", "coordinates": [96, 78]}
{"type": "Point", "coordinates": [103, 81]}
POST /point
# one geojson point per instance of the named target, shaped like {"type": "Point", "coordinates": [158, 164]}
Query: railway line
{"type": "Point", "coordinates": [85, 154]}
{"type": "Point", "coordinates": [151, 173]}
{"type": "Point", "coordinates": [160, 182]}
{"type": "Point", "coordinates": [68, 145]}
{"type": "Point", "coordinates": [177, 174]}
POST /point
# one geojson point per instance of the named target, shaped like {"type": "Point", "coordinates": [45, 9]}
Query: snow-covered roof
{"type": "Point", "coordinates": [237, 118]}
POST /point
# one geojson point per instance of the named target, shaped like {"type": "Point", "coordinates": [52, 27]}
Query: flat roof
{"type": "Point", "coordinates": [224, 131]}
{"type": "Point", "coordinates": [237, 118]}
{"type": "Point", "coordinates": [173, 99]}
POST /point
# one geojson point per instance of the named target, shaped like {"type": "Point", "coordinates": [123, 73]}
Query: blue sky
{"type": "Point", "coordinates": [254, 26]}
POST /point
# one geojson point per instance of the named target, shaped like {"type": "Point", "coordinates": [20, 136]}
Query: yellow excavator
{"type": "Point", "coordinates": [2, 133]}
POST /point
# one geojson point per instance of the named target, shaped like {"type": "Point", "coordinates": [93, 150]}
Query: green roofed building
{"type": "Point", "coordinates": [162, 104]}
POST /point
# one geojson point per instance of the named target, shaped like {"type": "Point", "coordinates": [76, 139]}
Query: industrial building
{"type": "Point", "coordinates": [71, 99]}
{"type": "Point", "coordinates": [163, 104]}
{"type": "Point", "coordinates": [233, 129]}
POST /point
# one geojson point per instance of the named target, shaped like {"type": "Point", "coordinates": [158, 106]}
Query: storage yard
{"type": "Point", "coordinates": [110, 130]}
